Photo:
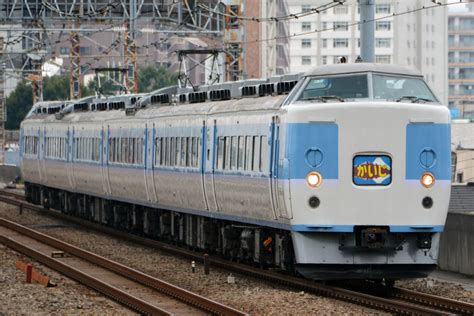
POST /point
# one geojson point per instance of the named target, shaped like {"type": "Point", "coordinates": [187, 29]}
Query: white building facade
{"type": "Point", "coordinates": [417, 39]}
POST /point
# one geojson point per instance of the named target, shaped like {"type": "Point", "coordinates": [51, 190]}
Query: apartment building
{"type": "Point", "coordinates": [417, 39]}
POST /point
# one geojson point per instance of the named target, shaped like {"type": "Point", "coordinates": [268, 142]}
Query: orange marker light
{"type": "Point", "coordinates": [427, 180]}
{"type": "Point", "coordinates": [314, 179]}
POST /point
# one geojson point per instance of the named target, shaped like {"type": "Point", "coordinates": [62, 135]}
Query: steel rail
{"type": "Point", "coordinates": [450, 305]}
{"type": "Point", "coordinates": [114, 293]}
{"type": "Point", "coordinates": [411, 307]}
{"type": "Point", "coordinates": [132, 274]}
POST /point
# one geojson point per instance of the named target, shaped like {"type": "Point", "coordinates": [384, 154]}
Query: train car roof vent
{"type": "Point", "coordinates": [162, 98]}
{"type": "Point", "coordinates": [196, 97]}
{"type": "Point", "coordinates": [249, 91]}
{"type": "Point", "coordinates": [219, 95]}
{"type": "Point", "coordinates": [81, 106]}
{"type": "Point", "coordinates": [266, 89]}
{"type": "Point", "coordinates": [284, 87]}
{"type": "Point", "coordinates": [182, 98]}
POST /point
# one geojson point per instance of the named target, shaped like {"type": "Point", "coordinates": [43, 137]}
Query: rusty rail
{"type": "Point", "coordinates": [135, 275]}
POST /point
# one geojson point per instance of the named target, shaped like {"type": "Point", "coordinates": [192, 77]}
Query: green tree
{"type": "Point", "coordinates": [18, 104]}
{"type": "Point", "coordinates": [57, 88]}
{"type": "Point", "coordinates": [152, 78]}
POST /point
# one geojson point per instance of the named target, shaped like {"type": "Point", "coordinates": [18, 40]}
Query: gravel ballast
{"type": "Point", "coordinates": [253, 296]}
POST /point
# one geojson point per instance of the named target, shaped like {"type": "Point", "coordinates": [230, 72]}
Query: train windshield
{"type": "Point", "coordinates": [360, 87]}
{"type": "Point", "coordinates": [337, 87]}
{"type": "Point", "coordinates": [401, 88]}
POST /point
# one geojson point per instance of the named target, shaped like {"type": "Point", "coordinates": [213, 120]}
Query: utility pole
{"type": "Point", "coordinates": [130, 50]}
{"type": "Point", "coordinates": [75, 59]}
{"type": "Point", "coordinates": [367, 30]}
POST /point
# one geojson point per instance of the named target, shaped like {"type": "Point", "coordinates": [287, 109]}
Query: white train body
{"type": "Point", "coordinates": [247, 164]}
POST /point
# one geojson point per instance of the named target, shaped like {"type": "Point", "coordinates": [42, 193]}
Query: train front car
{"type": "Point", "coordinates": [368, 155]}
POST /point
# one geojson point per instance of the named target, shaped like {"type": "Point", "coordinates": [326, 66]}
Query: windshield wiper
{"type": "Point", "coordinates": [324, 98]}
{"type": "Point", "coordinates": [413, 99]}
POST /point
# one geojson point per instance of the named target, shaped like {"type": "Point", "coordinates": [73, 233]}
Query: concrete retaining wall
{"type": "Point", "coordinates": [457, 244]}
{"type": "Point", "coordinates": [8, 173]}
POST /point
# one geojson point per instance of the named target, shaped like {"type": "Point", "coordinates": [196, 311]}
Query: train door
{"type": "Point", "coordinates": [280, 184]}
{"type": "Point", "coordinates": [44, 177]}
{"type": "Point", "coordinates": [149, 154]}
{"type": "Point", "coordinates": [38, 155]}
{"type": "Point", "coordinates": [69, 152]}
{"type": "Point", "coordinates": [105, 164]}
{"type": "Point", "coordinates": [210, 190]}
{"type": "Point", "coordinates": [205, 157]}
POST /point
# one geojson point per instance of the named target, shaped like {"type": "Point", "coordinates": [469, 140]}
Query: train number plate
{"type": "Point", "coordinates": [372, 170]}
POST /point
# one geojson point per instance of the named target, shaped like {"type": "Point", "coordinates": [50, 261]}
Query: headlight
{"type": "Point", "coordinates": [427, 180]}
{"type": "Point", "coordinates": [314, 179]}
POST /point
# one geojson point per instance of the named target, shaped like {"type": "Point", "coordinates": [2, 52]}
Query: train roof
{"type": "Point", "coordinates": [337, 69]}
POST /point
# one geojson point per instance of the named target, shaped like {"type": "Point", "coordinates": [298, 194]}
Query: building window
{"type": "Point", "coordinates": [341, 9]}
{"type": "Point", "coordinates": [382, 42]}
{"type": "Point", "coordinates": [383, 59]}
{"type": "Point", "coordinates": [382, 9]}
{"type": "Point", "coordinates": [325, 25]}
{"type": "Point", "coordinates": [305, 43]}
{"type": "Point", "coordinates": [408, 44]}
{"type": "Point", "coordinates": [340, 42]}
{"type": "Point", "coordinates": [85, 50]}
{"type": "Point", "coordinates": [325, 42]}
{"type": "Point", "coordinates": [306, 60]}
{"type": "Point", "coordinates": [408, 61]}
{"type": "Point", "coordinates": [64, 50]}
{"type": "Point", "coordinates": [306, 26]}
{"type": "Point", "coordinates": [305, 8]}
{"type": "Point", "coordinates": [408, 27]}
{"type": "Point", "coordinates": [432, 78]}
{"type": "Point", "coordinates": [324, 60]}
{"type": "Point", "coordinates": [383, 26]}
{"type": "Point", "coordinates": [340, 26]}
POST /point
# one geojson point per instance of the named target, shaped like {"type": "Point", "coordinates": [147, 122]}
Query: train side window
{"type": "Point", "coordinates": [163, 151]}
{"type": "Point", "coordinates": [233, 153]}
{"type": "Point", "coordinates": [119, 149]}
{"type": "Point", "coordinates": [256, 154]}
{"type": "Point", "coordinates": [264, 154]}
{"type": "Point", "coordinates": [241, 151]}
{"type": "Point", "coordinates": [167, 151]}
{"type": "Point", "coordinates": [189, 152]}
{"type": "Point", "coordinates": [184, 147]}
{"type": "Point", "coordinates": [172, 150]}
{"type": "Point", "coordinates": [248, 153]}
{"type": "Point", "coordinates": [157, 158]}
{"type": "Point", "coordinates": [220, 153]}
{"type": "Point", "coordinates": [178, 151]}
{"type": "Point", "coordinates": [227, 153]}
{"type": "Point", "coordinates": [194, 158]}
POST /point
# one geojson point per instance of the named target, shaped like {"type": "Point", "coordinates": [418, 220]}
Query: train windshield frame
{"type": "Point", "coordinates": [364, 86]}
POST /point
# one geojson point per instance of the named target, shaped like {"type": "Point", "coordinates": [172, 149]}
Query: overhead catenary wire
{"type": "Point", "coordinates": [102, 11]}
{"type": "Point", "coordinates": [310, 11]}
{"type": "Point", "coordinates": [424, 7]}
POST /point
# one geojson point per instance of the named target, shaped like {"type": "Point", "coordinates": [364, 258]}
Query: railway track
{"type": "Point", "coordinates": [134, 289]}
{"type": "Point", "coordinates": [402, 301]}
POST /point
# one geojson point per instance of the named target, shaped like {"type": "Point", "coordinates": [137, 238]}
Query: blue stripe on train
{"type": "Point", "coordinates": [428, 137]}
{"type": "Point", "coordinates": [321, 139]}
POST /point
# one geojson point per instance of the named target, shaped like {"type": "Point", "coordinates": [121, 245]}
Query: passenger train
{"type": "Point", "coordinates": [339, 173]}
